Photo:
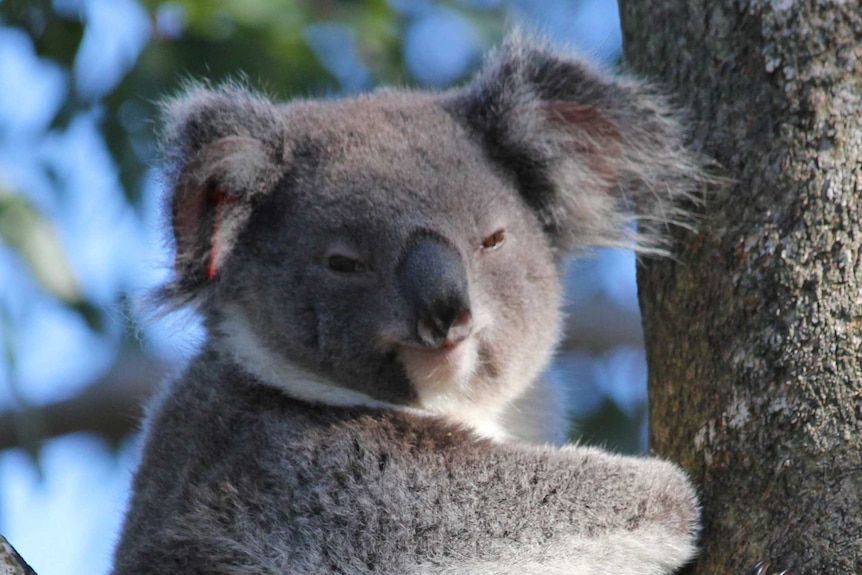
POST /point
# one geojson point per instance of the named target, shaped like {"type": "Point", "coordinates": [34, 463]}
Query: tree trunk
{"type": "Point", "coordinates": [753, 333]}
{"type": "Point", "coordinates": [10, 562]}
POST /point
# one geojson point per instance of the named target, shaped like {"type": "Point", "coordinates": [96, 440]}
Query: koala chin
{"type": "Point", "coordinates": [380, 281]}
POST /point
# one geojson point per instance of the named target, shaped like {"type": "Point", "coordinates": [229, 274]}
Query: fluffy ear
{"type": "Point", "coordinates": [223, 147]}
{"type": "Point", "coordinates": [591, 154]}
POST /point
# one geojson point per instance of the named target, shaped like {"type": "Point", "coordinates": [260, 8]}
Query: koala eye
{"type": "Point", "coordinates": [495, 240]}
{"type": "Point", "coordinates": [345, 264]}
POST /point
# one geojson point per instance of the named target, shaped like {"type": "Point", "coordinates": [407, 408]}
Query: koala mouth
{"type": "Point", "coordinates": [440, 369]}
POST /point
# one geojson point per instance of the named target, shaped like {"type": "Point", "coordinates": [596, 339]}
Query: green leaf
{"type": "Point", "coordinates": [609, 427]}
{"type": "Point", "coordinates": [28, 233]}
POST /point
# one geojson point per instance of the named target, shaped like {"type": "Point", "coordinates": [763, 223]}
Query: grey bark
{"type": "Point", "coordinates": [10, 562]}
{"type": "Point", "coordinates": [753, 334]}
{"type": "Point", "coordinates": [110, 407]}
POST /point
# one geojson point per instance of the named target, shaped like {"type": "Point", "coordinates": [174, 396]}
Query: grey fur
{"type": "Point", "coordinates": [380, 281]}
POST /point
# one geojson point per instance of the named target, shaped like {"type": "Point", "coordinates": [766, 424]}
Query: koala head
{"type": "Point", "coordinates": [405, 247]}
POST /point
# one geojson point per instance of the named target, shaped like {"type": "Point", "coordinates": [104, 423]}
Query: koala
{"type": "Point", "coordinates": [380, 282]}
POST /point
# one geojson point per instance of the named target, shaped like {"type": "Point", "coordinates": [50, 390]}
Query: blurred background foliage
{"type": "Point", "coordinates": [80, 236]}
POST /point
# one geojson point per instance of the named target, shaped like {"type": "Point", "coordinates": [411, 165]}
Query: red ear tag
{"type": "Point", "coordinates": [219, 198]}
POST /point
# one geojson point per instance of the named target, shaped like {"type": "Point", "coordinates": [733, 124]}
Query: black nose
{"type": "Point", "coordinates": [433, 280]}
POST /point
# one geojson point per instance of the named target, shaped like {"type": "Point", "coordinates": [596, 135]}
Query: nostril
{"type": "Point", "coordinates": [428, 332]}
{"type": "Point", "coordinates": [445, 329]}
{"type": "Point", "coordinates": [460, 328]}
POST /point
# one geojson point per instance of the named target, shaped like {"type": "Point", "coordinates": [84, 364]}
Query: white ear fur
{"type": "Point", "coordinates": [217, 179]}
{"type": "Point", "coordinates": [236, 162]}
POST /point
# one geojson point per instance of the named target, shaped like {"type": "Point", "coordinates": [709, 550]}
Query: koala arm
{"type": "Point", "coordinates": [314, 489]}
{"type": "Point", "coordinates": [482, 507]}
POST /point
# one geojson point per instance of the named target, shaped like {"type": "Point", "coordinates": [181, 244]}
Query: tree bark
{"type": "Point", "coordinates": [111, 407]}
{"type": "Point", "coordinates": [10, 562]}
{"type": "Point", "coordinates": [753, 332]}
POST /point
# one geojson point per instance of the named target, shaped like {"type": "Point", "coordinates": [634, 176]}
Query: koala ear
{"type": "Point", "coordinates": [591, 154]}
{"type": "Point", "coordinates": [223, 148]}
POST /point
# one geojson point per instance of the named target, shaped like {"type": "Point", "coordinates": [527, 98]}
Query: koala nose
{"type": "Point", "coordinates": [444, 326]}
{"type": "Point", "coordinates": [433, 280]}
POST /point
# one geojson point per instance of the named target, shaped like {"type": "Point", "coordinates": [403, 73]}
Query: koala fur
{"type": "Point", "coordinates": [379, 278]}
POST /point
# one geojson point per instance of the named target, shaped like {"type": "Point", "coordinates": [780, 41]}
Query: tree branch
{"type": "Point", "coordinates": [10, 562]}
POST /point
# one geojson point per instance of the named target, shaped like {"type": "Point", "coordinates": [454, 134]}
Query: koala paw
{"type": "Point", "coordinates": [762, 568]}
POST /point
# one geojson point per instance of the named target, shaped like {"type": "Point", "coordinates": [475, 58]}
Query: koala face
{"type": "Point", "coordinates": [404, 247]}
{"type": "Point", "coordinates": [399, 263]}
